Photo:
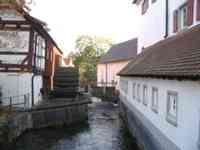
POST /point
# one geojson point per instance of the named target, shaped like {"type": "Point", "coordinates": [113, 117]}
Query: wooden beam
{"type": "Point", "coordinates": [13, 53]}
{"type": "Point", "coordinates": [12, 66]}
{"type": "Point", "coordinates": [31, 51]}
{"type": "Point", "coordinates": [13, 22]}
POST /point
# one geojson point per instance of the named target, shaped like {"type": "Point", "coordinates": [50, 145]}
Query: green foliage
{"type": "Point", "coordinates": [89, 50]}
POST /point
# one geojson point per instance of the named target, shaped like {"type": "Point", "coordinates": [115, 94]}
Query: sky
{"type": "Point", "coordinates": [68, 19]}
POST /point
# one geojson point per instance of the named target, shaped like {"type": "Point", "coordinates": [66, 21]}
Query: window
{"type": "Point", "coordinates": [155, 99]}
{"type": "Point", "coordinates": [40, 47]}
{"type": "Point", "coordinates": [138, 92]}
{"type": "Point", "coordinates": [124, 86]}
{"type": "Point", "coordinates": [172, 107]}
{"type": "Point", "coordinates": [183, 17]}
{"type": "Point", "coordinates": [145, 96]}
{"type": "Point", "coordinates": [153, 1]}
{"type": "Point", "coordinates": [133, 90]}
{"type": "Point", "coordinates": [145, 6]}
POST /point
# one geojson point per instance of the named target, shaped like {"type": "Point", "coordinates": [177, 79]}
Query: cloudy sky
{"type": "Point", "coordinates": [67, 19]}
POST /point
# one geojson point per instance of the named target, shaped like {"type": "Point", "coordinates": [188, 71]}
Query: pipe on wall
{"type": "Point", "coordinates": [166, 18]}
{"type": "Point", "coordinates": [32, 89]}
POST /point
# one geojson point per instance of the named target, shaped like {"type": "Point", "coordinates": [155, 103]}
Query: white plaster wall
{"type": "Point", "coordinates": [13, 41]}
{"type": "Point", "coordinates": [152, 23]}
{"type": "Point", "coordinates": [38, 84]}
{"type": "Point", "coordinates": [19, 84]}
{"type": "Point", "coordinates": [186, 134]}
{"type": "Point", "coordinates": [152, 26]}
{"type": "Point", "coordinates": [101, 74]}
{"type": "Point", "coordinates": [113, 69]}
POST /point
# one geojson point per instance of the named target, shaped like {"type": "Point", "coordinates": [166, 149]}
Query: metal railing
{"type": "Point", "coordinates": [16, 103]}
{"type": "Point", "coordinates": [112, 84]}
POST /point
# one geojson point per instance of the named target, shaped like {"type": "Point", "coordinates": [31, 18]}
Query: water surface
{"type": "Point", "coordinates": [104, 131]}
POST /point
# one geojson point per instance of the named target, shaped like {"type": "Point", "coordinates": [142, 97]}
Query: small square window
{"type": "Point", "coordinates": [145, 96]}
{"type": "Point", "coordinates": [138, 92]}
{"type": "Point", "coordinates": [133, 91]}
{"type": "Point", "coordinates": [172, 107]}
{"type": "Point", "coordinates": [155, 99]}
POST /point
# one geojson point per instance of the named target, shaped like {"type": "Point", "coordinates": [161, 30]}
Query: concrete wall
{"type": "Point", "coordinates": [152, 23]}
{"type": "Point", "coordinates": [111, 70]}
{"type": "Point", "coordinates": [19, 84]}
{"type": "Point", "coordinates": [186, 135]}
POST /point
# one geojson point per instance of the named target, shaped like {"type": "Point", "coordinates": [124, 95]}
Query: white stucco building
{"type": "Point", "coordinates": [159, 89]}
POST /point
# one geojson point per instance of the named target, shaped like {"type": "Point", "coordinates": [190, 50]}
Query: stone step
{"type": "Point", "coordinates": [63, 71]}
{"type": "Point", "coordinates": [65, 77]}
{"type": "Point", "coordinates": [63, 94]}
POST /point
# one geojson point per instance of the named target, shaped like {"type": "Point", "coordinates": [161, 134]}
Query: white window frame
{"type": "Point", "coordinates": [172, 118]}
{"type": "Point", "coordinates": [133, 90]}
{"type": "Point", "coordinates": [138, 93]}
{"type": "Point", "coordinates": [145, 95]}
{"type": "Point", "coordinates": [182, 17]}
{"type": "Point", "coordinates": [155, 100]}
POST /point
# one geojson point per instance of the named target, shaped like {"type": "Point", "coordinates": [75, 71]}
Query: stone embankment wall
{"type": "Point", "coordinates": [18, 123]}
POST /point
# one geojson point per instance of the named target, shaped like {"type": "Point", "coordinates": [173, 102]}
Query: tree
{"type": "Point", "coordinates": [88, 52]}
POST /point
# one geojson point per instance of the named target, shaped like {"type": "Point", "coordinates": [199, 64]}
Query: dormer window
{"type": "Point", "coordinates": [145, 6]}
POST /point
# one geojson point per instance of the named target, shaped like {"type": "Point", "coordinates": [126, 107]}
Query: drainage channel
{"type": "Point", "coordinates": [104, 131]}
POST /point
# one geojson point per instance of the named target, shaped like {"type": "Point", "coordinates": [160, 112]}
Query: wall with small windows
{"type": "Point", "coordinates": [172, 107]}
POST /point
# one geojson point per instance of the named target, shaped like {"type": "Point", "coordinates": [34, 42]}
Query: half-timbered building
{"type": "Point", "coordinates": [28, 56]}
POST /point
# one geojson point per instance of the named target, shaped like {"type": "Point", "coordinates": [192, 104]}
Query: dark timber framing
{"type": "Point", "coordinates": [30, 25]}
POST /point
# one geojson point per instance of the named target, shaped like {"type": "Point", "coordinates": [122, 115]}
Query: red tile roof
{"type": "Point", "coordinates": [175, 57]}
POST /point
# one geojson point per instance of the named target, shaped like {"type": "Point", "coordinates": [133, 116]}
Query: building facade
{"type": "Point", "coordinates": [159, 89]}
{"type": "Point", "coordinates": [28, 57]}
{"type": "Point", "coordinates": [161, 19]}
{"type": "Point", "coordinates": [113, 61]}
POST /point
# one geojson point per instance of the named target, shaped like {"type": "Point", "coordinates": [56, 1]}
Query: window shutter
{"type": "Point", "coordinates": [175, 20]}
{"type": "Point", "coordinates": [190, 12]}
{"type": "Point", "coordinates": [198, 10]}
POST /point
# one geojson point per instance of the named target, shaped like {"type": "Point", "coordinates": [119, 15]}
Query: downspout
{"type": "Point", "coordinates": [32, 89]}
{"type": "Point", "coordinates": [166, 19]}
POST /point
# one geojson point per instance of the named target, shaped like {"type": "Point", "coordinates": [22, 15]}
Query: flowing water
{"type": "Point", "coordinates": [104, 131]}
